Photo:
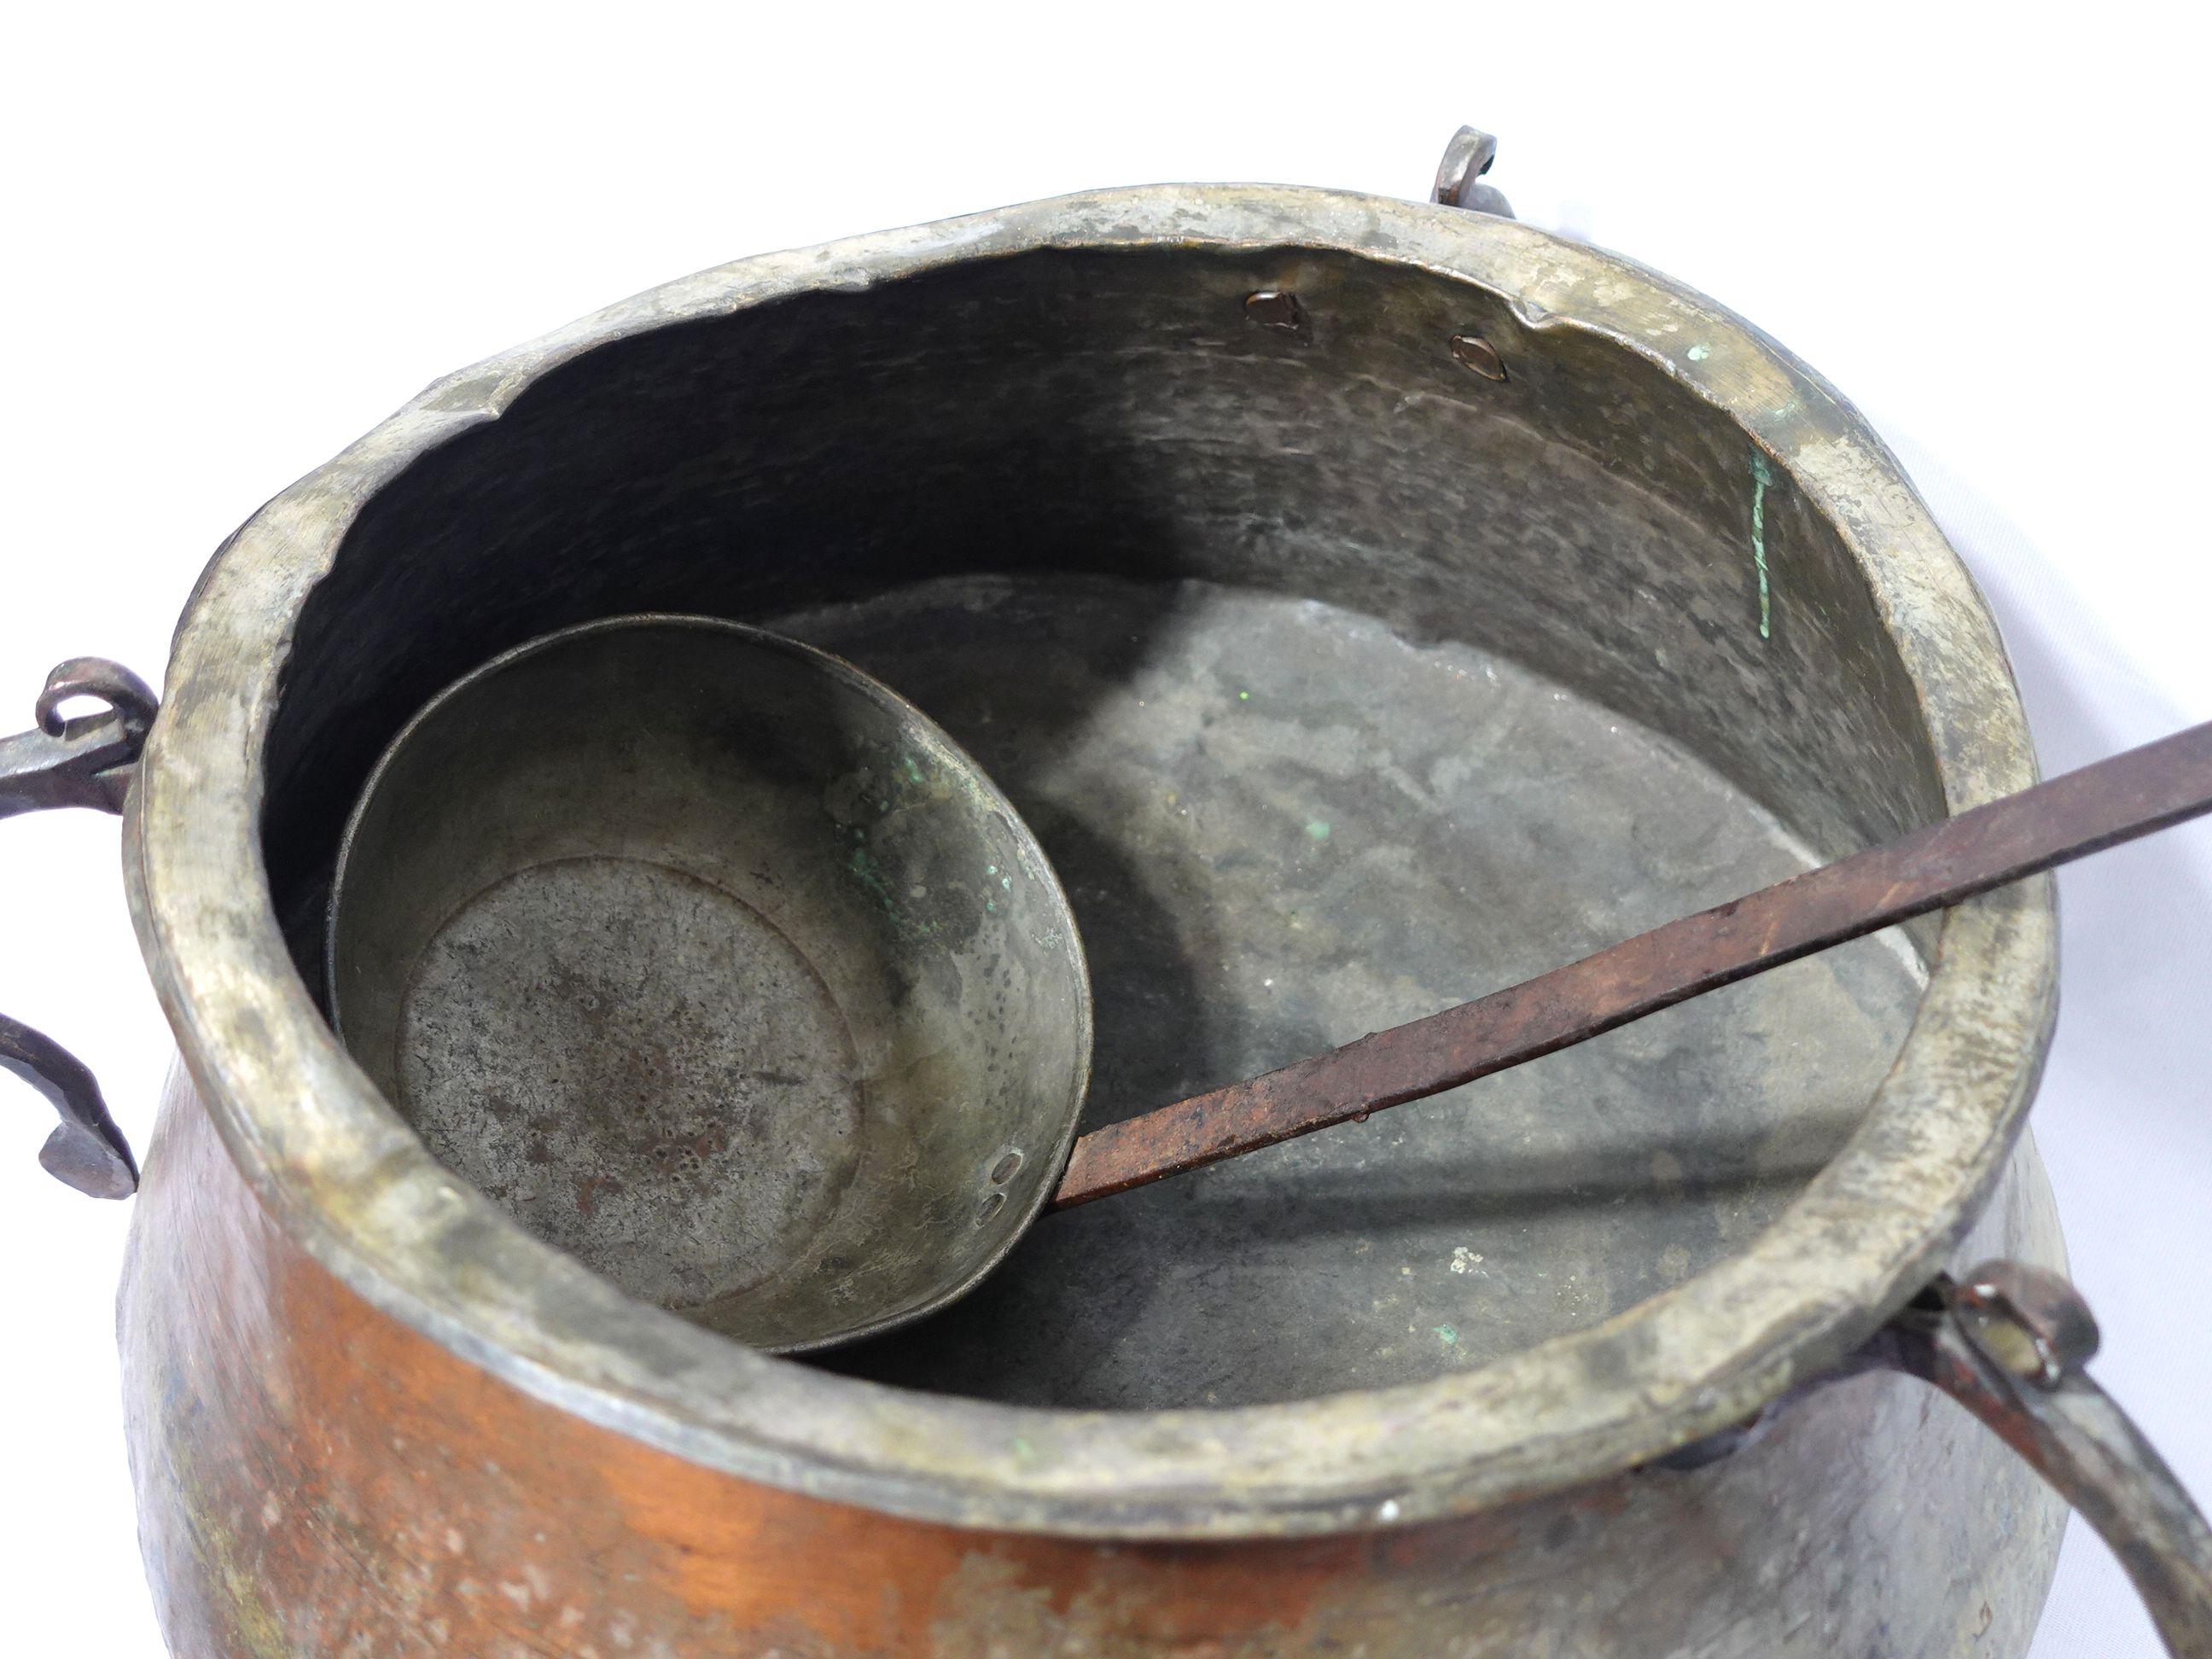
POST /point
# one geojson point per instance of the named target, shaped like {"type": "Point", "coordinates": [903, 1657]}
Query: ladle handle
{"type": "Point", "coordinates": [2116, 799]}
{"type": "Point", "coordinates": [87, 761]}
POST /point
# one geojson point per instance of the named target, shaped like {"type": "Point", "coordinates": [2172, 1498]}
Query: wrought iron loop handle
{"type": "Point", "coordinates": [2012, 1343]}
{"type": "Point", "coordinates": [1459, 175]}
{"type": "Point", "coordinates": [87, 762]}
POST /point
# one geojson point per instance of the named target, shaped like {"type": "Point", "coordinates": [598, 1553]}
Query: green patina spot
{"type": "Point", "coordinates": [1317, 829]}
{"type": "Point", "coordinates": [871, 877]}
{"type": "Point", "coordinates": [1243, 696]}
{"type": "Point", "coordinates": [1446, 1335]}
{"type": "Point", "coordinates": [1023, 1450]}
{"type": "Point", "coordinates": [1761, 476]}
{"type": "Point", "coordinates": [1698, 354]}
{"type": "Point", "coordinates": [912, 772]}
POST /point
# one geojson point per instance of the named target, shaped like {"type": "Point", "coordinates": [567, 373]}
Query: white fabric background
{"type": "Point", "coordinates": [236, 237]}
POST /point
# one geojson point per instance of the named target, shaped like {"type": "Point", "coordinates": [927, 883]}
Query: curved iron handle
{"type": "Point", "coordinates": [87, 762]}
{"type": "Point", "coordinates": [2010, 1343]}
{"type": "Point", "coordinates": [1459, 175]}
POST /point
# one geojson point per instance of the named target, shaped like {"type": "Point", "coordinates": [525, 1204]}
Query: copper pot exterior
{"type": "Point", "coordinates": [315, 1478]}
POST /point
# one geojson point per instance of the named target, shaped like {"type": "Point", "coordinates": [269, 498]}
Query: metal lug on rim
{"type": "Point", "coordinates": [1717, 1448]}
{"type": "Point", "coordinates": [1277, 309]}
{"type": "Point", "coordinates": [2028, 1320]}
{"type": "Point", "coordinates": [87, 762]}
{"type": "Point", "coordinates": [1466, 158]}
{"type": "Point", "coordinates": [2011, 1343]}
{"type": "Point", "coordinates": [130, 697]}
{"type": "Point", "coordinates": [1474, 352]}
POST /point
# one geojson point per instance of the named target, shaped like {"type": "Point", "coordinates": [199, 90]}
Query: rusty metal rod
{"type": "Point", "coordinates": [2117, 799]}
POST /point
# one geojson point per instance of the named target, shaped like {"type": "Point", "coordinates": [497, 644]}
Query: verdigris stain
{"type": "Point", "coordinates": [1761, 476]}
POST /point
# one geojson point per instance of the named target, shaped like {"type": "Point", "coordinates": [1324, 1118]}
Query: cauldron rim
{"type": "Point", "coordinates": [339, 1172]}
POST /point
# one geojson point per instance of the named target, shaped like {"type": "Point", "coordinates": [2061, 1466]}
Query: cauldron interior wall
{"type": "Point", "coordinates": [1068, 415]}
{"type": "Point", "coordinates": [1115, 411]}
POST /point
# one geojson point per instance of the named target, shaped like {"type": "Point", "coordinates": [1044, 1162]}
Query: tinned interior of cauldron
{"type": "Point", "coordinates": [1339, 681]}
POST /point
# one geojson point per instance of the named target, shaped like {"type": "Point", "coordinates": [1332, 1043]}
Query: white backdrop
{"type": "Point", "coordinates": [236, 239]}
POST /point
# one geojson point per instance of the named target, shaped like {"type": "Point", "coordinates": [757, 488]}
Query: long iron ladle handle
{"type": "Point", "coordinates": [2117, 799]}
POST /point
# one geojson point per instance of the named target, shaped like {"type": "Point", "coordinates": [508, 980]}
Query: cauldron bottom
{"type": "Point", "coordinates": [1283, 825]}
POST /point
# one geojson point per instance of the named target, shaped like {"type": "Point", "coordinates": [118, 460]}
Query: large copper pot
{"type": "Point", "coordinates": [1368, 602]}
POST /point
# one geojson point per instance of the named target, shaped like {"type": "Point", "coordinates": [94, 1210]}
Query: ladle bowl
{"type": "Point", "coordinates": [718, 966]}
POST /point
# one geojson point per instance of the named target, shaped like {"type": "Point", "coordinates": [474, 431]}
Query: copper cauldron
{"type": "Point", "coordinates": [1365, 603]}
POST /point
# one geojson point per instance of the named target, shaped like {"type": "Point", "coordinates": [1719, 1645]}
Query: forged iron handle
{"type": "Point", "coordinates": [87, 761]}
{"type": "Point", "coordinates": [1459, 175]}
{"type": "Point", "coordinates": [86, 1149]}
{"type": "Point", "coordinates": [2011, 1343]}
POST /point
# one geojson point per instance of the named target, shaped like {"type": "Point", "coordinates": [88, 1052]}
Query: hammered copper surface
{"type": "Point", "coordinates": [316, 1479]}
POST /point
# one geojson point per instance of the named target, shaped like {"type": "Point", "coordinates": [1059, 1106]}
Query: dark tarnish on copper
{"type": "Point", "coordinates": [2115, 801]}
